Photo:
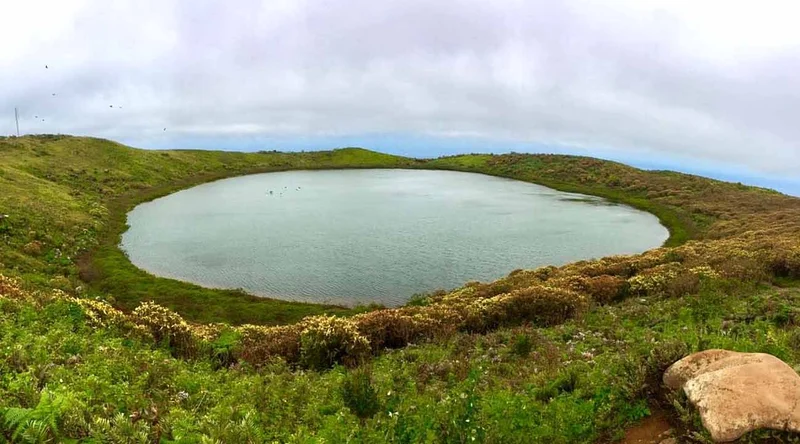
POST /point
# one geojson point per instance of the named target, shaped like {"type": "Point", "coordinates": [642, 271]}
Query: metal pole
{"type": "Point", "coordinates": [16, 118]}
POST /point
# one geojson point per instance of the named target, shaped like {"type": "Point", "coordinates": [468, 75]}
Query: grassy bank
{"type": "Point", "coordinates": [68, 199]}
{"type": "Point", "coordinates": [581, 381]}
{"type": "Point", "coordinates": [557, 354]}
{"type": "Point", "coordinates": [581, 177]}
{"type": "Point", "coordinates": [74, 195]}
{"type": "Point", "coordinates": [110, 271]}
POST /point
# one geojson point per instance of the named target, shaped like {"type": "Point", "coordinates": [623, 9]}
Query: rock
{"type": "Point", "coordinates": [689, 367]}
{"type": "Point", "coordinates": [669, 441]}
{"type": "Point", "coordinates": [736, 393]}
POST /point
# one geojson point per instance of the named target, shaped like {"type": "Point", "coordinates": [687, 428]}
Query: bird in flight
{"type": "Point", "coordinates": [165, 129]}
{"type": "Point", "coordinates": [54, 94]}
{"type": "Point", "coordinates": [45, 67]}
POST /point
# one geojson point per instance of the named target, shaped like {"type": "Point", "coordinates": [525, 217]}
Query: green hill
{"type": "Point", "coordinates": [558, 354]}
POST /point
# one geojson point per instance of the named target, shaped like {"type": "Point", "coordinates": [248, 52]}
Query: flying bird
{"type": "Point", "coordinates": [45, 67]}
{"type": "Point", "coordinates": [54, 94]}
{"type": "Point", "coordinates": [165, 129]}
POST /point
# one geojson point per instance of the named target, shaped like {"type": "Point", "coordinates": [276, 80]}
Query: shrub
{"type": "Point", "coordinates": [329, 340]}
{"type": "Point", "coordinates": [794, 338]}
{"type": "Point", "coordinates": [682, 284]}
{"type": "Point", "coordinates": [654, 280]}
{"type": "Point", "coordinates": [359, 395]}
{"type": "Point", "coordinates": [222, 348]}
{"type": "Point", "coordinates": [10, 288]}
{"type": "Point", "coordinates": [259, 345]}
{"type": "Point", "coordinates": [99, 313]}
{"type": "Point", "coordinates": [743, 269]}
{"type": "Point", "coordinates": [167, 327]}
{"type": "Point", "coordinates": [522, 345]}
{"type": "Point", "coordinates": [539, 304]}
{"type": "Point", "coordinates": [793, 262]}
{"type": "Point", "coordinates": [661, 357]}
{"type": "Point", "coordinates": [33, 248]}
{"type": "Point", "coordinates": [566, 381]}
{"type": "Point", "coordinates": [388, 328]}
{"type": "Point", "coordinates": [605, 289]}
{"type": "Point", "coordinates": [644, 370]}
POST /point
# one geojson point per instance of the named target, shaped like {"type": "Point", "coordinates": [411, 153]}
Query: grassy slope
{"type": "Point", "coordinates": [598, 178]}
{"type": "Point", "coordinates": [65, 194]}
{"type": "Point", "coordinates": [581, 381]}
{"type": "Point", "coordinates": [71, 193]}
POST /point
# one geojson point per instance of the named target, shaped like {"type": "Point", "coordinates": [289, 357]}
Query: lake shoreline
{"type": "Point", "coordinates": [131, 285]}
{"type": "Point", "coordinates": [373, 236]}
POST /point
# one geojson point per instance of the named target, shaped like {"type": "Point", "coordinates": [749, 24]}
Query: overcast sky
{"type": "Point", "coordinates": [702, 86]}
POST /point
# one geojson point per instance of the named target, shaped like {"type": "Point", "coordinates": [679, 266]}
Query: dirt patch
{"type": "Point", "coordinates": [651, 430]}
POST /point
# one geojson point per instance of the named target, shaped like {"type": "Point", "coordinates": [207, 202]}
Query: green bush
{"type": "Point", "coordinates": [222, 349]}
{"type": "Point", "coordinates": [358, 393]}
{"type": "Point", "coordinates": [522, 345]}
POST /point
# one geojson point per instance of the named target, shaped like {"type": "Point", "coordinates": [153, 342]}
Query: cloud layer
{"type": "Point", "coordinates": [710, 81]}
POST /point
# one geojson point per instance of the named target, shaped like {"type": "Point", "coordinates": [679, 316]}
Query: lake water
{"type": "Point", "coordinates": [361, 236]}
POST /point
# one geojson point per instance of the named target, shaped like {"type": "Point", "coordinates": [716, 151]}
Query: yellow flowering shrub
{"type": "Point", "coordinates": [704, 271]}
{"type": "Point", "coordinates": [259, 344]}
{"type": "Point", "coordinates": [793, 262]}
{"type": "Point", "coordinates": [390, 328]}
{"type": "Point", "coordinates": [168, 327]}
{"type": "Point", "coordinates": [100, 313]}
{"type": "Point", "coordinates": [542, 305]}
{"type": "Point", "coordinates": [654, 280]}
{"type": "Point", "coordinates": [327, 340]}
{"type": "Point", "coordinates": [10, 288]}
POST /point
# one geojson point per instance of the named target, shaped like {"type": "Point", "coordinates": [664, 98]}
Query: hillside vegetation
{"type": "Point", "coordinates": [93, 348]}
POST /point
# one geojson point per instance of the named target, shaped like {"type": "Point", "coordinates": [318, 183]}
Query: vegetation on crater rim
{"type": "Point", "coordinates": [710, 286]}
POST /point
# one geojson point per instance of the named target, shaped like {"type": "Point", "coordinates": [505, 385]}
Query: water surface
{"type": "Point", "coordinates": [361, 236]}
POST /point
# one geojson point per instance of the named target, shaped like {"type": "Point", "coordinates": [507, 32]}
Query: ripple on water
{"type": "Point", "coordinates": [361, 236]}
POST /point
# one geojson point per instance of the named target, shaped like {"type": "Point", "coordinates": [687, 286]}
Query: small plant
{"type": "Point", "coordinates": [222, 349]}
{"type": "Point", "coordinates": [419, 300]}
{"type": "Point", "coordinates": [359, 395]}
{"type": "Point", "coordinates": [522, 345]}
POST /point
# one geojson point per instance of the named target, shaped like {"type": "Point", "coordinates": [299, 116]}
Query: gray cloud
{"type": "Point", "coordinates": [714, 81]}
